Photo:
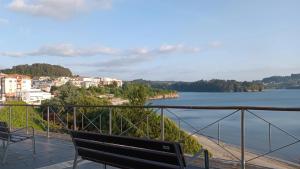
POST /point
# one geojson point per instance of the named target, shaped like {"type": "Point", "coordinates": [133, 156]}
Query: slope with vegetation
{"type": "Point", "coordinates": [133, 120]}
{"type": "Point", "coordinates": [39, 69]}
{"type": "Point", "coordinates": [18, 116]}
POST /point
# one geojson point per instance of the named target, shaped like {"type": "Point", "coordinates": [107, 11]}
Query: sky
{"type": "Point", "coordinates": [184, 40]}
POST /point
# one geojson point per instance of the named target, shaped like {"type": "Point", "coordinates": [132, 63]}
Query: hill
{"type": "Point", "coordinates": [39, 69]}
{"type": "Point", "coordinates": [282, 82]}
{"type": "Point", "coordinates": [204, 85]}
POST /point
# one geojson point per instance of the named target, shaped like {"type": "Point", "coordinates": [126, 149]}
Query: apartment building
{"type": "Point", "coordinates": [13, 84]}
{"type": "Point", "coordinates": [61, 81]}
{"type": "Point", "coordinates": [35, 96]}
{"type": "Point", "coordinates": [110, 81]}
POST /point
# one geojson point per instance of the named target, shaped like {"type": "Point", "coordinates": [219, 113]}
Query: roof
{"type": "Point", "coordinates": [15, 76]}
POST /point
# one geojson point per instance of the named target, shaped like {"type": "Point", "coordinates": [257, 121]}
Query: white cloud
{"type": "Point", "coordinates": [68, 50]}
{"type": "Point", "coordinates": [63, 50]}
{"type": "Point", "coordinates": [59, 9]}
{"type": "Point", "coordinates": [121, 58]}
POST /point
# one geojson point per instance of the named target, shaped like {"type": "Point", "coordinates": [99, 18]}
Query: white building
{"type": "Point", "coordinates": [61, 81]}
{"type": "Point", "coordinates": [44, 85]}
{"type": "Point", "coordinates": [35, 96]}
{"type": "Point", "coordinates": [110, 81]}
{"type": "Point", "coordinates": [88, 84]}
{"type": "Point", "coordinates": [77, 81]}
{"type": "Point", "coordinates": [13, 84]}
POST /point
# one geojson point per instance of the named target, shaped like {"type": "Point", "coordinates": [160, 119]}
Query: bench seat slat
{"type": "Point", "coordinates": [146, 154]}
{"type": "Point", "coordinates": [127, 152]}
{"type": "Point", "coordinates": [18, 138]}
{"type": "Point", "coordinates": [122, 161]}
{"type": "Point", "coordinates": [135, 142]}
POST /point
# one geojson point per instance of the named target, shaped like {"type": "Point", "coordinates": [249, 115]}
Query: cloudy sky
{"type": "Point", "coordinates": [154, 39]}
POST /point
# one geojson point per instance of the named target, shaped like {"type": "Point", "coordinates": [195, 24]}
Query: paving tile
{"type": "Point", "coordinates": [51, 153]}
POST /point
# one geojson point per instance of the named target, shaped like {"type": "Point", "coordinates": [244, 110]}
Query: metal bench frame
{"type": "Point", "coordinates": [174, 151]}
{"type": "Point", "coordinates": [11, 137]}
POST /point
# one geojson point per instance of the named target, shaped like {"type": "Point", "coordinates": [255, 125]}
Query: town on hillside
{"type": "Point", "coordinates": [35, 90]}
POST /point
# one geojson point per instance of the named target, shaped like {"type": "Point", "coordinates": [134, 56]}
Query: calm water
{"type": "Point", "coordinates": [256, 129]}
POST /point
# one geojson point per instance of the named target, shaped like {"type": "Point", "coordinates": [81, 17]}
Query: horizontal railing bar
{"type": "Point", "coordinates": [174, 107]}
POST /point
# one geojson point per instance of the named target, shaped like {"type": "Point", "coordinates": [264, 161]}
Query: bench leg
{"type": "Point", "coordinates": [75, 161]}
{"type": "Point", "coordinates": [33, 145]}
{"type": "Point", "coordinates": [3, 144]}
{"type": "Point", "coordinates": [5, 153]}
{"type": "Point", "coordinates": [104, 166]}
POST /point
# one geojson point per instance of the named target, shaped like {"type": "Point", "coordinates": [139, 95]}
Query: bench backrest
{"type": "Point", "coordinates": [4, 131]}
{"type": "Point", "coordinates": [128, 152]}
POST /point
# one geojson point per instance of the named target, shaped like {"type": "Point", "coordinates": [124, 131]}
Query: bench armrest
{"type": "Point", "coordinates": [22, 129]}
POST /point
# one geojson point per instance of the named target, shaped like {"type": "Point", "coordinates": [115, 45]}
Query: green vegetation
{"type": "Point", "coordinates": [134, 120]}
{"type": "Point", "coordinates": [18, 116]}
{"type": "Point", "coordinates": [206, 86]}
{"type": "Point", "coordinates": [283, 82]}
{"type": "Point", "coordinates": [122, 92]}
{"type": "Point", "coordinates": [39, 69]}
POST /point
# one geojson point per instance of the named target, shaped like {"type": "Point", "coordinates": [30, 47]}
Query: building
{"type": "Point", "coordinates": [77, 81]}
{"type": "Point", "coordinates": [110, 81]}
{"type": "Point", "coordinates": [35, 96]}
{"type": "Point", "coordinates": [88, 84]}
{"type": "Point", "coordinates": [13, 84]}
{"type": "Point", "coordinates": [2, 94]}
{"type": "Point", "coordinates": [61, 81]}
{"type": "Point", "coordinates": [44, 85]}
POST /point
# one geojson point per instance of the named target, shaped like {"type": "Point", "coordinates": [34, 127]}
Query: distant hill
{"type": "Point", "coordinates": [204, 86]}
{"type": "Point", "coordinates": [283, 82]}
{"type": "Point", "coordinates": [39, 69]}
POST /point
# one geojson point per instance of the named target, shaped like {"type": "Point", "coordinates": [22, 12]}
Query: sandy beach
{"type": "Point", "coordinates": [219, 153]}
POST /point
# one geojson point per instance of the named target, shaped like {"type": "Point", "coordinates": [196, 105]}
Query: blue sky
{"type": "Point", "coordinates": [154, 39]}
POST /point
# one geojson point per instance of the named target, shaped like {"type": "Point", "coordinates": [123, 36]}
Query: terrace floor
{"type": "Point", "coordinates": [52, 153]}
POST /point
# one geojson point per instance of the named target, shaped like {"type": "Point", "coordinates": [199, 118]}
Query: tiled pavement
{"type": "Point", "coordinates": [51, 153]}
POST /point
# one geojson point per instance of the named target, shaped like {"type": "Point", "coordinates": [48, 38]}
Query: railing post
{"type": "Point", "coordinates": [147, 127]}
{"type": "Point", "coordinates": [100, 123]}
{"type": "Point", "coordinates": [82, 123]}
{"type": "Point", "coordinates": [67, 120]}
{"type": "Point", "coordinates": [100, 127]}
{"type": "Point", "coordinates": [10, 121]}
{"type": "Point", "coordinates": [26, 119]}
{"type": "Point", "coordinates": [206, 159]}
{"type": "Point", "coordinates": [218, 133]}
{"type": "Point", "coordinates": [53, 118]}
{"type": "Point", "coordinates": [74, 119]}
{"type": "Point", "coordinates": [48, 121]}
{"type": "Point", "coordinates": [243, 165]}
{"type": "Point", "coordinates": [121, 124]}
{"type": "Point", "coordinates": [270, 146]}
{"type": "Point", "coordinates": [162, 124]}
{"type": "Point", "coordinates": [110, 121]}
{"type": "Point", "coordinates": [179, 126]}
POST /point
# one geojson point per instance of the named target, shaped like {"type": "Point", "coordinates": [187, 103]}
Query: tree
{"type": "Point", "coordinates": [136, 94]}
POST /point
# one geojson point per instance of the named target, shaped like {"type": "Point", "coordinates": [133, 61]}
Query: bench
{"type": "Point", "coordinates": [127, 152]}
{"type": "Point", "coordinates": [10, 137]}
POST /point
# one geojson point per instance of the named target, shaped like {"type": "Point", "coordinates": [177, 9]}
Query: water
{"type": "Point", "coordinates": [256, 129]}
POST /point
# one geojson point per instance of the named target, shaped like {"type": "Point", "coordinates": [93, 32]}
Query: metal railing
{"type": "Point", "coordinates": [113, 120]}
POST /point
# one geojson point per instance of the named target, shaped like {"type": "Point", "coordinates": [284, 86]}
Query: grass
{"type": "Point", "coordinates": [18, 116]}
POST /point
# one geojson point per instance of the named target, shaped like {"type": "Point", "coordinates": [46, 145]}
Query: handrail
{"type": "Point", "coordinates": [74, 110]}
{"type": "Point", "coordinates": [173, 107]}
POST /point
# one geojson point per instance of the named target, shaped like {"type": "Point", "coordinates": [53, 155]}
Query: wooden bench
{"type": "Point", "coordinates": [10, 137]}
{"type": "Point", "coordinates": [127, 152]}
